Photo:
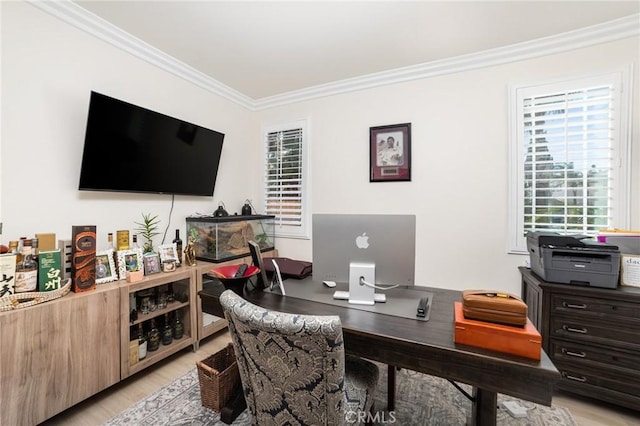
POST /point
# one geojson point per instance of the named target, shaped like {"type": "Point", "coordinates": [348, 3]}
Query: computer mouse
{"type": "Point", "coordinates": [329, 284]}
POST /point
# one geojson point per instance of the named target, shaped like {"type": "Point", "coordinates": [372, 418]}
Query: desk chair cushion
{"type": "Point", "coordinates": [292, 367]}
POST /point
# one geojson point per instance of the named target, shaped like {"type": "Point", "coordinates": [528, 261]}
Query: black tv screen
{"type": "Point", "coordinates": [128, 148]}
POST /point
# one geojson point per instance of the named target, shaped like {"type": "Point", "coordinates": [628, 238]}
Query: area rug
{"type": "Point", "coordinates": [420, 400]}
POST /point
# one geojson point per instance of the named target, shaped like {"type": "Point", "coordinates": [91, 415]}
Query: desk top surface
{"type": "Point", "coordinates": [426, 346]}
{"type": "Point", "coordinates": [437, 332]}
{"type": "Point", "coordinates": [401, 301]}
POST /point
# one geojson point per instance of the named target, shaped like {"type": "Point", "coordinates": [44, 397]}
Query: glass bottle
{"type": "Point", "coordinates": [122, 240]}
{"type": "Point", "coordinates": [13, 246]}
{"type": "Point", "coordinates": [112, 247]}
{"type": "Point", "coordinates": [133, 308]}
{"type": "Point", "coordinates": [26, 272]}
{"type": "Point", "coordinates": [178, 242]}
{"type": "Point", "coordinates": [135, 242]}
{"type": "Point", "coordinates": [21, 244]}
{"type": "Point", "coordinates": [154, 299]}
{"type": "Point", "coordinates": [162, 298]}
{"type": "Point", "coordinates": [142, 343]}
{"type": "Point", "coordinates": [178, 327]}
{"type": "Point", "coordinates": [167, 333]}
{"type": "Point", "coordinates": [170, 295]}
{"type": "Point", "coordinates": [34, 250]}
{"type": "Point", "coordinates": [153, 342]}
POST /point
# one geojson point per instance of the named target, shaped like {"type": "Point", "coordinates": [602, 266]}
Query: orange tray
{"type": "Point", "coordinates": [523, 341]}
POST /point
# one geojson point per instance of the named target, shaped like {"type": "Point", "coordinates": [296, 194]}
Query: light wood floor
{"type": "Point", "coordinates": [105, 405]}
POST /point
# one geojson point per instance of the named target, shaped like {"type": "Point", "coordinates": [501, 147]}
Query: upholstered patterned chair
{"type": "Point", "coordinates": [293, 367]}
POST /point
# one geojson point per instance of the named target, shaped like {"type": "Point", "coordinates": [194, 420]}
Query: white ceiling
{"type": "Point", "coordinates": [266, 48]}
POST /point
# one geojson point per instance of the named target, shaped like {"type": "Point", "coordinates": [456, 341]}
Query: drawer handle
{"type": "Point", "coordinates": [576, 354]}
{"type": "Point", "coordinates": [574, 306]}
{"type": "Point", "coordinates": [575, 330]}
{"type": "Point", "coordinates": [576, 378]}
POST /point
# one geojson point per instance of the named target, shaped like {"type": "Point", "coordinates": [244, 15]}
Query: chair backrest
{"type": "Point", "coordinates": [292, 366]}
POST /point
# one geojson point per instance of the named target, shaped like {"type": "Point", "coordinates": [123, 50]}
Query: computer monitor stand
{"type": "Point", "coordinates": [360, 294]}
{"type": "Point", "coordinates": [344, 295]}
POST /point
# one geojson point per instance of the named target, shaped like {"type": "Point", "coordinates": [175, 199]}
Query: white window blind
{"type": "Point", "coordinates": [285, 179]}
{"type": "Point", "coordinates": [570, 148]}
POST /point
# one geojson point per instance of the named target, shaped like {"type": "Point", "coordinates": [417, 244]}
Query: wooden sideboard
{"type": "Point", "coordinates": [591, 335]}
{"type": "Point", "coordinates": [55, 354]}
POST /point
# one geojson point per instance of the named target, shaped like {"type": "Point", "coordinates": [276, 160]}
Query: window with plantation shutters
{"type": "Point", "coordinates": [569, 173]}
{"type": "Point", "coordinates": [285, 178]}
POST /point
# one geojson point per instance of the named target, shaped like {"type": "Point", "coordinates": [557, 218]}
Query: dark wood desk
{"type": "Point", "coordinates": [428, 347]}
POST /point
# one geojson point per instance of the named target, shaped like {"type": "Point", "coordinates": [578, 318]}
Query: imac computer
{"type": "Point", "coordinates": [364, 250]}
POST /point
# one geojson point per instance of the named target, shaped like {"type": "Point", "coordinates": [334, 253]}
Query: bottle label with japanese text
{"type": "Point", "coordinates": [50, 270]}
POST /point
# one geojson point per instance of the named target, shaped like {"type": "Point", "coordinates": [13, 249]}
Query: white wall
{"type": "Point", "coordinates": [49, 69]}
{"type": "Point", "coordinates": [459, 186]}
{"type": "Point", "coordinates": [459, 146]}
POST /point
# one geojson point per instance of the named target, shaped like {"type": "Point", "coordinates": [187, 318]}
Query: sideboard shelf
{"type": "Point", "coordinates": [159, 355]}
{"type": "Point", "coordinates": [172, 306]}
{"type": "Point", "coordinates": [183, 282]}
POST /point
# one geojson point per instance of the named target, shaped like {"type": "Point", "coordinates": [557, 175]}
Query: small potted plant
{"type": "Point", "coordinates": [148, 229]}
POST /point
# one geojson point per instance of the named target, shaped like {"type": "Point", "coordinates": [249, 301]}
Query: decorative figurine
{"type": "Point", "coordinates": [190, 252]}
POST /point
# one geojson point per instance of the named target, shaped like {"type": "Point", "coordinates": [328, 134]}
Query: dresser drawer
{"type": "Point", "coordinates": [593, 331]}
{"type": "Point", "coordinates": [592, 335]}
{"type": "Point", "coordinates": [585, 355]}
{"type": "Point", "coordinates": [628, 384]}
{"type": "Point", "coordinates": [615, 310]}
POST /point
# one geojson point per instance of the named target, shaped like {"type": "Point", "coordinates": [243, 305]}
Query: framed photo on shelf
{"type": "Point", "coordinates": [168, 252]}
{"type": "Point", "coordinates": [129, 261]}
{"type": "Point", "coordinates": [151, 263]}
{"type": "Point", "coordinates": [105, 267]}
{"type": "Point", "coordinates": [390, 153]}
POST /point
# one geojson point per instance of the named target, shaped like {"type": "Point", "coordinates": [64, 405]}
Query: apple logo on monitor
{"type": "Point", "coordinates": [362, 241]}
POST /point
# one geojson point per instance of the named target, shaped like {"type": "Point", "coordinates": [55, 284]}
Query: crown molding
{"type": "Point", "coordinates": [79, 17]}
{"type": "Point", "coordinates": [84, 20]}
{"type": "Point", "coordinates": [609, 31]}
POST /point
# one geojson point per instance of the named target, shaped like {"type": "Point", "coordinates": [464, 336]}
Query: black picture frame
{"type": "Point", "coordinates": [256, 256]}
{"type": "Point", "coordinates": [390, 153]}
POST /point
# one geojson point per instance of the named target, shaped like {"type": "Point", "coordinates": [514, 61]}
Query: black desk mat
{"type": "Point", "coordinates": [401, 301]}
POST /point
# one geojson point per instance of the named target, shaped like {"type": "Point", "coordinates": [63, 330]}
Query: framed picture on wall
{"type": "Point", "coordinates": [390, 153]}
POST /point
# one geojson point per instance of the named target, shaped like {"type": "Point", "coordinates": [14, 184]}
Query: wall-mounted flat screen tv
{"type": "Point", "coordinates": [128, 148]}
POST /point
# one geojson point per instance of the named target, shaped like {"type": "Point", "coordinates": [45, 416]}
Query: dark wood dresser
{"type": "Point", "coordinates": [591, 334]}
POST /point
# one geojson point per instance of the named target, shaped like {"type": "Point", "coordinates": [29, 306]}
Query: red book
{"type": "Point", "coordinates": [83, 258]}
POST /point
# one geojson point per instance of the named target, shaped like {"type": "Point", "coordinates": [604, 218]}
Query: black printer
{"type": "Point", "coordinates": [573, 259]}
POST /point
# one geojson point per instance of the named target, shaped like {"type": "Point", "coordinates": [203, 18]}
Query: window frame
{"type": "Point", "coordinates": [621, 146]}
{"type": "Point", "coordinates": [280, 230]}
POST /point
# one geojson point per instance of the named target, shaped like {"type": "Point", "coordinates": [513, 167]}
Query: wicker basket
{"type": "Point", "coordinates": [31, 298]}
{"type": "Point", "coordinates": [219, 377]}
